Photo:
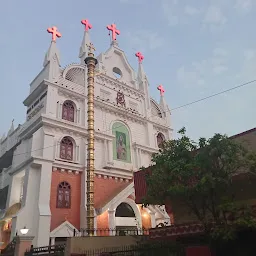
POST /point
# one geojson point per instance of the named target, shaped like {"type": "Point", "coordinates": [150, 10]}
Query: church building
{"type": "Point", "coordinates": [43, 161]}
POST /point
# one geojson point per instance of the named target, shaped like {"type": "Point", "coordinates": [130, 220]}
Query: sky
{"type": "Point", "coordinates": [193, 48]}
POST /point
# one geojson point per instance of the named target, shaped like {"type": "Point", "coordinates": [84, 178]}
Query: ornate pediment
{"type": "Point", "coordinates": [117, 66]}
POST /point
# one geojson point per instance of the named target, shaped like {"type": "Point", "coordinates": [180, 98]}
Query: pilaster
{"type": "Point", "coordinates": [111, 219]}
{"type": "Point", "coordinates": [153, 219]}
{"type": "Point", "coordinates": [44, 218]}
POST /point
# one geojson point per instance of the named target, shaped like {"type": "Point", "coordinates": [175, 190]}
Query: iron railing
{"type": "Point", "coordinates": [112, 232]}
{"type": "Point", "coordinates": [46, 250]}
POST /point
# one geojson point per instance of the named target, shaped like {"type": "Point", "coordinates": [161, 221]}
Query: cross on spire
{"type": "Point", "coordinates": [115, 32]}
{"type": "Point", "coordinates": [55, 33]}
{"type": "Point", "coordinates": [86, 24]}
{"type": "Point", "coordinates": [139, 56]}
{"type": "Point", "coordinates": [161, 89]}
{"type": "Point", "coordinates": [90, 47]}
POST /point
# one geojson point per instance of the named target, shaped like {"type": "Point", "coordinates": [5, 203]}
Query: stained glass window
{"type": "Point", "coordinates": [64, 195]}
{"type": "Point", "coordinates": [68, 111]}
{"type": "Point", "coordinates": [66, 149]}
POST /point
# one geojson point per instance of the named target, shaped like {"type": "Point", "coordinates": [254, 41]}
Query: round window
{"type": "Point", "coordinates": [117, 72]}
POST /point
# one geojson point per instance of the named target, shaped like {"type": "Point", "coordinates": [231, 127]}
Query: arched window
{"type": "Point", "coordinates": [160, 139]}
{"type": "Point", "coordinates": [64, 195]}
{"type": "Point", "coordinates": [68, 111]}
{"type": "Point", "coordinates": [66, 149]}
{"type": "Point", "coordinates": [124, 210]}
{"type": "Point", "coordinates": [121, 143]}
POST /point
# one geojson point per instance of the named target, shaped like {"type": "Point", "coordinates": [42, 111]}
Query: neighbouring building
{"type": "Point", "coordinates": [184, 222]}
{"type": "Point", "coordinates": [43, 161]}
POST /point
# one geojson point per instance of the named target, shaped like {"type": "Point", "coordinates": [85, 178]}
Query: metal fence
{"type": "Point", "coordinates": [47, 250]}
{"type": "Point", "coordinates": [139, 250]}
{"type": "Point", "coordinates": [112, 232]}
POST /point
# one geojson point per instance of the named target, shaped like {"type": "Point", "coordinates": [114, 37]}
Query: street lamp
{"type": "Point", "coordinates": [24, 231]}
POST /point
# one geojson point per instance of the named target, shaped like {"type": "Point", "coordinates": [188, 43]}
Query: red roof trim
{"type": "Point", "coordinates": [243, 133]}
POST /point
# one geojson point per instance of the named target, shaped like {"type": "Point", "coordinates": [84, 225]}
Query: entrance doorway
{"type": "Point", "coordinates": [126, 223]}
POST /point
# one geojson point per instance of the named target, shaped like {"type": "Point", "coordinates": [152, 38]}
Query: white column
{"type": "Point", "coordinates": [44, 218]}
{"type": "Point", "coordinates": [136, 152]}
{"type": "Point", "coordinates": [110, 151]}
{"type": "Point", "coordinates": [78, 116]}
{"type": "Point", "coordinates": [52, 241]}
{"type": "Point", "coordinates": [60, 111]}
{"type": "Point", "coordinates": [153, 219]}
{"type": "Point", "coordinates": [57, 110]}
{"type": "Point", "coordinates": [105, 152]}
{"type": "Point", "coordinates": [57, 149]}
{"type": "Point", "coordinates": [77, 154]}
{"type": "Point", "coordinates": [139, 157]}
{"type": "Point", "coordinates": [112, 221]}
{"type": "Point", "coordinates": [29, 214]}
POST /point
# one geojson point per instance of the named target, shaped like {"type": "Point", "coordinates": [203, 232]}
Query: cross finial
{"type": "Point", "coordinates": [161, 89]}
{"type": "Point", "coordinates": [139, 56]}
{"type": "Point", "coordinates": [86, 24]}
{"type": "Point", "coordinates": [55, 33]}
{"type": "Point", "coordinates": [114, 30]}
{"type": "Point", "coordinates": [90, 47]}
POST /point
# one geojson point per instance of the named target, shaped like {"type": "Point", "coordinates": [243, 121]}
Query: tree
{"type": "Point", "coordinates": [199, 175]}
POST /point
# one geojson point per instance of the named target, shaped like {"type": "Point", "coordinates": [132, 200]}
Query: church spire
{"type": "Point", "coordinates": [83, 53]}
{"type": "Point", "coordinates": [11, 128]}
{"type": "Point", "coordinates": [141, 73]}
{"type": "Point", "coordinates": [162, 102]}
{"type": "Point", "coordinates": [53, 53]}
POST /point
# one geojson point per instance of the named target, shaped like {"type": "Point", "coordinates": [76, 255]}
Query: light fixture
{"type": "Point", "coordinates": [145, 214]}
{"type": "Point", "coordinates": [24, 231]}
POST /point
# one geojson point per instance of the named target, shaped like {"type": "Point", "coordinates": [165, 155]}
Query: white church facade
{"type": "Point", "coordinates": [43, 161]}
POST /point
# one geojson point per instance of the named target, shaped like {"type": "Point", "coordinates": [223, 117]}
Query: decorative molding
{"type": "Point", "coordinates": [36, 111]}
{"type": "Point", "coordinates": [64, 90]}
{"type": "Point", "coordinates": [161, 128]}
{"type": "Point", "coordinates": [118, 199]}
{"type": "Point", "coordinates": [35, 93]}
{"type": "Point", "coordinates": [121, 85]}
{"type": "Point", "coordinates": [67, 166]}
{"type": "Point", "coordinates": [145, 148]}
{"type": "Point", "coordinates": [120, 111]}
{"type": "Point", "coordinates": [71, 128]}
{"type": "Point", "coordinates": [120, 99]}
{"type": "Point", "coordinates": [65, 227]}
{"type": "Point", "coordinates": [62, 170]}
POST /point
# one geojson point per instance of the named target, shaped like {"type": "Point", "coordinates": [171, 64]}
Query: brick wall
{"type": "Point", "coordinates": [59, 215]}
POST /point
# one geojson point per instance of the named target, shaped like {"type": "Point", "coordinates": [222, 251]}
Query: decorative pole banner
{"type": "Point", "coordinates": [139, 56]}
{"type": "Point", "coordinates": [161, 89]}
{"type": "Point", "coordinates": [114, 31]}
{"type": "Point", "coordinates": [86, 24]}
{"type": "Point", "coordinates": [55, 33]}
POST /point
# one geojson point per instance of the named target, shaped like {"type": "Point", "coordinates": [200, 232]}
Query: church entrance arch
{"type": "Point", "coordinates": [126, 219]}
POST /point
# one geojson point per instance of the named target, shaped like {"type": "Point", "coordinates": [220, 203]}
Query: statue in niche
{"type": "Point", "coordinates": [121, 149]}
{"type": "Point", "coordinates": [120, 99]}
